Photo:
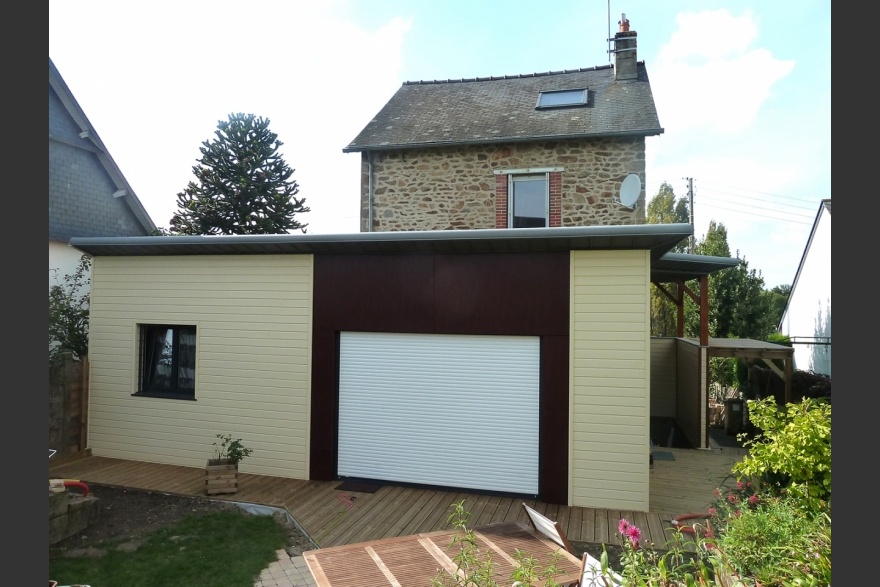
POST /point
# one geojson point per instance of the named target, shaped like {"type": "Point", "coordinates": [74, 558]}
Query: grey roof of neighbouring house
{"type": "Point", "coordinates": [102, 213]}
{"type": "Point", "coordinates": [502, 109]}
{"type": "Point", "coordinates": [657, 238]}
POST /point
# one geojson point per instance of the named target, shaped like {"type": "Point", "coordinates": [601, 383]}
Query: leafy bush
{"type": "Point", "coordinates": [69, 313]}
{"type": "Point", "coordinates": [810, 384]}
{"type": "Point", "coordinates": [776, 542]}
{"type": "Point", "coordinates": [792, 450]}
{"type": "Point", "coordinates": [230, 449]}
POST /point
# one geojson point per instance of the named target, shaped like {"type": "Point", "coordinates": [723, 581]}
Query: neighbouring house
{"type": "Point", "coordinates": [807, 316]}
{"type": "Point", "coordinates": [533, 150]}
{"type": "Point", "coordinates": [88, 195]}
{"type": "Point", "coordinates": [423, 357]}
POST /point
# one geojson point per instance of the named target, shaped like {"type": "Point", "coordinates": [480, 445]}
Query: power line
{"type": "Point", "coordinates": [801, 200]}
{"type": "Point", "coordinates": [765, 201]}
{"type": "Point", "coordinates": [755, 214]}
{"type": "Point", "coordinates": [751, 207]}
{"type": "Point", "coordinates": [705, 198]}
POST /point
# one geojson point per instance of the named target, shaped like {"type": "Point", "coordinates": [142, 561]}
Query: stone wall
{"type": "Point", "coordinates": [455, 187]}
{"type": "Point", "coordinates": [70, 514]}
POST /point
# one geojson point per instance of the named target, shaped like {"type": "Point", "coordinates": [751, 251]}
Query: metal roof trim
{"type": "Point", "coordinates": [658, 238]}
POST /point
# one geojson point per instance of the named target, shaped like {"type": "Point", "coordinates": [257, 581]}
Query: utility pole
{"type": "Point", "coordinates": [690, 181]}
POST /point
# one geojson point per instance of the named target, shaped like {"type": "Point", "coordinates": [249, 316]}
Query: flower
{"type": "Point", "coordinates": [622, 526]}
{"type": "Point", "coordinates": [634, 534]}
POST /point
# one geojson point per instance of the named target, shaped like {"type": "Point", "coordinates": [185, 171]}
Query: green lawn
{"type": "Point", "coordinates": [225, 548]}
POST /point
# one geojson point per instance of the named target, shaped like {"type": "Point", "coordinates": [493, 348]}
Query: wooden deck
{"type": "Point", "coordinates": [333, 518]}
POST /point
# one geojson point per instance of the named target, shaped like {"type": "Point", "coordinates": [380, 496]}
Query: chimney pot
{"type": "Point", "coordinates": [625, 63]}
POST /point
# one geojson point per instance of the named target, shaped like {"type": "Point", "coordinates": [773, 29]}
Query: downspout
{"type": "Point", "coordinates": [369, 191]}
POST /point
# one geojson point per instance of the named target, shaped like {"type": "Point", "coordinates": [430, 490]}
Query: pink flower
{"type": "Point", "coordinates": [753, 500]}
{"type": "Point", "coordinates": [740, 485]}
{"type": "Point", "coordinates": [732, 498]}
{"type": "Point", "coordinates": [623, 525]}
{"type": "Point", "coordinates": [634, 534]}
{"type": "Point", "coordinates": [716, 492]}
{"type": "Point", "coordinates": [712, 511]}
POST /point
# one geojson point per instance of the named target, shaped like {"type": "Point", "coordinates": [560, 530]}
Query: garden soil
{"type": "Point", "coordinates": [128, 516]}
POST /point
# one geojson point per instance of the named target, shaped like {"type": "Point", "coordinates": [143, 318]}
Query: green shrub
{"type": "Point", "coordinates": [776, 542]}
{"type": "Point", "coordinates": [792, 451]}
{"type": "Point", "coordinates": [810, 384]}
{"type": "Point", "coordinates": [69, 313]}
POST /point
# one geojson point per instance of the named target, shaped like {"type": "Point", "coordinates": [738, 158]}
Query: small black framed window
{"type": "Point", "coordinates": [168, 361]}
{"type": "Point", "coordinates": [562, 98]}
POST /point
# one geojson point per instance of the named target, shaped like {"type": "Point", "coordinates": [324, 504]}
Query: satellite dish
{"type": "Point", "coordinates": [630, 190]}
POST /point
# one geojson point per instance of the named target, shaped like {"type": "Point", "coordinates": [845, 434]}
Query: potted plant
{"type": "Point", "coordinates": [221, 472]}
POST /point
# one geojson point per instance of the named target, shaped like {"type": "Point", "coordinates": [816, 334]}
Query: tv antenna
{"type": "Point", "coordinates": [609, 31]}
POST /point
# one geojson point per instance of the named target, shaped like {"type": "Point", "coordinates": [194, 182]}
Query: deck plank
{"type": "Point", "coordinates": [681, 486]}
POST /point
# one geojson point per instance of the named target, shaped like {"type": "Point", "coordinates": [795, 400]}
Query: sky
{"type": "Point", "coordinates": [742, 88]}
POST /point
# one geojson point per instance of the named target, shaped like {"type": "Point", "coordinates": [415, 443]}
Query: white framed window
{"type": "Point", "coordinates": [528, 200]}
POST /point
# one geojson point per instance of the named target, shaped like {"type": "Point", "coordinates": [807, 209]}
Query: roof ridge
{"type": "Point", "coordinates": [508, 77]}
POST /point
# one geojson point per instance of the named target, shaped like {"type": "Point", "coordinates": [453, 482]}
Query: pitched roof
{"type": "Point", "coordinates": [89, 139]}
{"type": "Point", "coordinates": [503, 109]}
{"type": "Point", "coordinates": [824, 205]}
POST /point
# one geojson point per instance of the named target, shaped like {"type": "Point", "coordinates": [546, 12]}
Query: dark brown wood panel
{"type": "Point", "coordinates": [523, 294]}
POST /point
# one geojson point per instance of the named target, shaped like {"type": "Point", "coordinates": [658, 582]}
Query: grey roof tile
{"type": "Point", "coordinates": [502, 109]}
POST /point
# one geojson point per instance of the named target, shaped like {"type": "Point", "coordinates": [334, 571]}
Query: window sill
{"type": "Point", "coordinates": [161, 395]}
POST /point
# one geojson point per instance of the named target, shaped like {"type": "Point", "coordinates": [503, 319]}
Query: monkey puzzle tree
{"type": "Point", "coordinates": [243, 185]}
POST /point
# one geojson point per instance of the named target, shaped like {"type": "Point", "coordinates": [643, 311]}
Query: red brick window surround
{"type": "Point", "coordinates": [554, 187]}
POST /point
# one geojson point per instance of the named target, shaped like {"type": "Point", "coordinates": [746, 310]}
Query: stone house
{"type": "Point", "coordinates": [535, 150]}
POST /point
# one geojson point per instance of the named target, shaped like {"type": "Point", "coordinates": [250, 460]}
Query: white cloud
{"type": "Point", "coordinates": [709, 75]}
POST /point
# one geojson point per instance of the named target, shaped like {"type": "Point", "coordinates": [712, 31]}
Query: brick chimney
{"type": "Point", "coordinates": [625, 68]}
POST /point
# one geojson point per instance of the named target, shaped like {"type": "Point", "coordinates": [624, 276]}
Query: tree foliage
{"type": "Point", "coordinates": [243, 185]}
{"type": "Point", "coordinates": [664, 208]}
{"type": "Point", "coordinates": [69, 313]}
{"type": "Point", "coordinates": [793, 450]}
{"type": "Point", "coordinates": [739, 306]}
{"type": "Point", "coordinates": [777, 298]}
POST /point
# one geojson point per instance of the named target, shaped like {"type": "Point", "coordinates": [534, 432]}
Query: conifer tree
{"type": "Point", "coordinates": [243, 185]}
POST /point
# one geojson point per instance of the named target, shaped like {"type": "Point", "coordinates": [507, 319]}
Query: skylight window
{"type": "Point", "coordinates": [560, 98]}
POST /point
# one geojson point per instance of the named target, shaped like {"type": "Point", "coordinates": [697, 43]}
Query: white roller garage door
{"type": "Point", "coordinates": [448, 410]}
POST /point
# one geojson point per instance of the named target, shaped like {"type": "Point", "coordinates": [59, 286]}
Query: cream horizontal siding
{"type": "Point", "coordinates": [253, 379]}
{"type": "Point", "coordinates": [609, 371]}
{"type": "Point", "coordinates": [663, 377]}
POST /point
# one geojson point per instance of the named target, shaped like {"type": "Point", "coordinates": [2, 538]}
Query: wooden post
{"type": "Point", "coordinates": [704, 310]}
{"type": "Point", "coordinates": [84, 406]}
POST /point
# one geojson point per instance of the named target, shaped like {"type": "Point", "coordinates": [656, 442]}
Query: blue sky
{"type": "Point", "coordinates": [743, 91]}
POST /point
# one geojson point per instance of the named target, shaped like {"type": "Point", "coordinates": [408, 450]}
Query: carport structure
{"type": "Point", "coordinates": [693, 354]}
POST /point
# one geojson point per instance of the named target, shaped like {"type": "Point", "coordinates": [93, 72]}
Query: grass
{"type": "Point", "coordinates": [224, 548]}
